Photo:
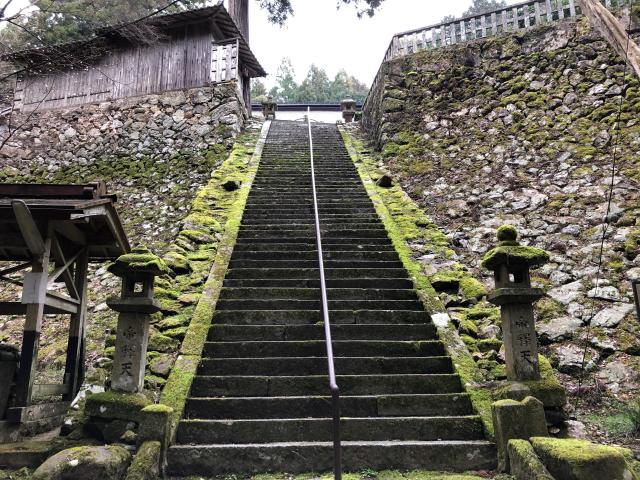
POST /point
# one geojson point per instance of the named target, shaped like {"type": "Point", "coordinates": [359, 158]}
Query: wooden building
{"type": "Point", "coordinates": [185, 50]}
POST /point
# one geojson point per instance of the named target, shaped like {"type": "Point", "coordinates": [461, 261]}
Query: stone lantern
{"type": "Point", "coordinates": [348, 108]}
{"type": "Point", "coordinates": [513, 293]}
{"type": "Point", "coordinates": [269, 107]}
{"type": "Point", "coordinates": [135, 305]}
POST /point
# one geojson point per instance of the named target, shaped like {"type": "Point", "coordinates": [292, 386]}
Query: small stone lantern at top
{"type": "Point", "coordinates": [348, 108]}
{"type": "Point", "coordinates": [135, 305]}
{"type": "Point", "coordinates": [269, 107]}
{"type": "Point", "coordinates": [511, 263]}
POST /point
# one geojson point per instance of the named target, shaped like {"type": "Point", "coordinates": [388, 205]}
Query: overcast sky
{"type": "Point", "coordinates": [335, 38]}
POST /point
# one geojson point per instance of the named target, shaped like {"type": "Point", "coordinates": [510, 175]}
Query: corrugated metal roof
{"type": "Point", "coordinates": [95, 45]}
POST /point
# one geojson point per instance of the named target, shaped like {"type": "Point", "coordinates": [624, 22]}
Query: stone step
{"type": "Point", "coordinates": [353, 240]}
{"type": "Point", "coordinates": [307, 317]}
{"type": "Point", "coordinates": [317, 348]}
{"type": "Point", "coordinates": [398, 331]}
{"type": "Point", "coordinates": [278, 386]}
{"type": "Point", "coordinates": [312, 273]}
{"type": "Point", "coordinates": [281, 234]}
{"type": "Point", "coordinates": [310, 246]}
{"type": "Point", "coordinates": [390, 283]}
{"type": "Point", "coordinates": [314, 294]}
{"type": "Point", "coordinates": [320, 429]}
{"type": "Point", "coordinates": [218, 459]}
{"type": "Point", "coordinates": [309, 219]}
{"type": "Point", "coordinates": [295, 304]}
{"type": "Point", "coordinates": [328, 263]}
{"type": "Point", "coordinates": [318, 407]}
{"type": "Point", "coordinates": [318, 365]}
{"type": "Point", "coordinates": [313, 255]}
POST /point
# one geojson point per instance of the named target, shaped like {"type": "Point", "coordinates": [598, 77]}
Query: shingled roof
{"type": "Point", "coordinates": [104, 37]}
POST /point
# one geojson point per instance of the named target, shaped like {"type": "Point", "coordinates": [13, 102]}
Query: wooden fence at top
{"type": "Point", "coordinates": [512, 18]}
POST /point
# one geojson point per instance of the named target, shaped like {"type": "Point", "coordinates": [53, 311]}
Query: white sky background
{"type": "Point", "coordinates": [335, 38]}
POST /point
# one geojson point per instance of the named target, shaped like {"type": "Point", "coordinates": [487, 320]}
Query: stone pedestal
{"type": "Point", "coordinates": [130, 360]}
{"type": "Point", "coordinates": [519, 337]}
{"type": "Point", "coordinates": [516, 420]}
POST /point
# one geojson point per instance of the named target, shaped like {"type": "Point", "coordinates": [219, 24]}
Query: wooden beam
{"type": "Point", "coordinates": [74, 367]}
{"type": "Point", "coordinates": [14, 269]}
{"type": "Point", "coordinates": [62, 304]}
{"type": "Point", "coordinates": [55, 306]}
{"type": "Point", "coordinates": [28, 228]}
{"type": "Point", "coordinates": [64, 270]}
{"type": "Point", "coordinates": [49, 390]}
{"type": "Point", "coordinates": [37, 412]}
{"type": "Point", "coordinates": [613, 31]}
{"type": "Point", "coordinates": [31, 336]}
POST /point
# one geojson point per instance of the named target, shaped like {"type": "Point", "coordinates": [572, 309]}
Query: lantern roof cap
{"type": "Point", "coordinates": [140, 262]}
{"type": "Point", "coordinates": [510, 252]}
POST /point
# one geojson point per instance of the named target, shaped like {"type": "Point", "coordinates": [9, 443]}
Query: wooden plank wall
{"type": "Point", "coordinates": [181, 60]}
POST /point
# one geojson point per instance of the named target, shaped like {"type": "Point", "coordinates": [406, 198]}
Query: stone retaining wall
{"type": "Point", "coordinates": [155, 152]}
{"type": "Point", "coordinates": [519, 129]}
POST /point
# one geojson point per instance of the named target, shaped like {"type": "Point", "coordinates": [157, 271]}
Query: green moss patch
{"type": "Point", "coordinates": [573, 459]}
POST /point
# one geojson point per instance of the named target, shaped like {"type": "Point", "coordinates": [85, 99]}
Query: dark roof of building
{"type": "Point", "coordinates": [94, 47]}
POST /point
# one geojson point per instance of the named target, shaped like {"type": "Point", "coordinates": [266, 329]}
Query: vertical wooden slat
{"type": "Point", "coordinates": [572, 8]}
{"type": "Point", "coordinates": [560, 9]}
{"type": "Point", "coordinates": [548, 11]}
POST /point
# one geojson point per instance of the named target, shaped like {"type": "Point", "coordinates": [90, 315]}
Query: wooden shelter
{"type": "Point", "coordinates": [53, 232]}
{"type": "Point", "coordinates": [190, 49]}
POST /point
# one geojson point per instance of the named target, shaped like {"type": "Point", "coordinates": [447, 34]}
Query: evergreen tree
{"type": "Point", "coordinates": [286, 86]}
{"type": "Point", "coordinates": [483, 6]}
{"type": "Point", "coordinates": [316, 87]}
{"type": "Point", "coordinates": [258, 90]}
{"type": "Point", "coordinates": [280, 10]}
{"type": "Point", "coordinates": [58, 21]}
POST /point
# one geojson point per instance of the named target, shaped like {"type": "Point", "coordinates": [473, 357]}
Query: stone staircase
{"type": "Point", "coordinates": [261, 401]}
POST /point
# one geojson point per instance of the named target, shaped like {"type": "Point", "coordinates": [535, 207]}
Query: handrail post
{"type": "Point", "coordinates": [333, 385]}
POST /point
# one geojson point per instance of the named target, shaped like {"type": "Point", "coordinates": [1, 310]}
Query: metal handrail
{"type": "Point", "coordinates": [333, 384]}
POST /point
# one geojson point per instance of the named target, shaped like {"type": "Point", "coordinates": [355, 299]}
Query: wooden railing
{"type": "Point", "coordinates": [515, 17]}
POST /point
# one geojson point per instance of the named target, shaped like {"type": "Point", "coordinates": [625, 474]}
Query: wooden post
{"type": "Point", "coordinates": [35, 300]}
{"type": "Point", "coordinates": [613, 31]}
{"type": "Point", "coordinates": [239, 11]}
{"type": "Point", "coordinates": [74, 368]}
